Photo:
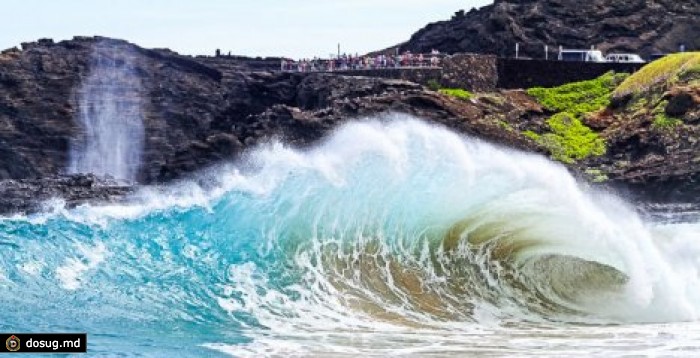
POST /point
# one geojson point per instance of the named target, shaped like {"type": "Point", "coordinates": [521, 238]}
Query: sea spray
{"type": "Point", "coordinates": [110, 115]}
{"type": "Point", "coordinates": [392, 237]}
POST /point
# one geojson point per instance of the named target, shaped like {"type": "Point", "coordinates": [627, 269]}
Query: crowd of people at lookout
{"type": "Point", "coordinates": [347, 62]}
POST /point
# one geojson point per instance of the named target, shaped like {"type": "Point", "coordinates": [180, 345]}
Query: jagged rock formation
{"type": "Point", "coordinates": [38, 104]}
{"type": "Point", "coordinates": [653, 131]}
{"type": "Point", "coordinates": [196, 113]}
{"type": "Point", "coordinates": [640, 26]}
{"type": "Point", "coordinates": [29, 195]}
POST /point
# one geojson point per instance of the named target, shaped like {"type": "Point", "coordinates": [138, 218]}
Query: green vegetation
{"type": "Point", "coordinates": [638, 106]}
{"type": "Point", "coordinates": [433, 85]}
{"type": "Point", "coordinates": [691, 75]}
{"type": "Point", "coordinates": [662, 72]}
{"type": "Point", "coordinates": [597, 175]}
{"type": "Point", "coordinates": [664, 122]}
{"type": "Point", "coordinates": [457, 93]}
{"type": "Point", "coordinates": [504, 125]}
{"type": "Point", "coordinates": [579, 97]}
{"type": "Point", "coordinates": [493, 99]}
{"type": "Point", "coordinates": [568, 139]}
{"type": "Point", "coordinates": [532, 135]}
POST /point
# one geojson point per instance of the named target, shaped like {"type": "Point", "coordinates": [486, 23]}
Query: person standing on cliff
{"type": "Point", "coordinates": [434, 60]}
{"type": "Point", "coordinates": [407, 58]}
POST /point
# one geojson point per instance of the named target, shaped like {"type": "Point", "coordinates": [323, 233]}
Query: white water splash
{"type": "Point", "coordinates": [111, 117]}
{"type": "Point", "coordinates": [72, 273]}
{"type": "Point", "coordinates": [326, 252]}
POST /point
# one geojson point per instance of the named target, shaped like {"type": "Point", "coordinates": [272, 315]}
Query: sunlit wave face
{"type": "Point", "coordinates": [389, 227]}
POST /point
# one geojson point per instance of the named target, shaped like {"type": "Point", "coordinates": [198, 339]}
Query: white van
{"type": "Point", "coordinates": [581, 55]}
{"type": "Point", "coordinates": [624, 58]}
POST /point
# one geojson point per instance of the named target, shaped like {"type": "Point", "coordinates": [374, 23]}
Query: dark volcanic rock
{"type": "Point", "coordinates": [38, 104]}
{"type": "Point", "coordinates": [199, 113]}
{"type": "Point", "coordinates": [653, 142]}
{"type": "Point", "coordinates": [196, 112]}
{"type": "Point", "coordinates": [29, 195]}
{"type": "Point", "coordinates": [325, 101]}
{"type": "Point", "coordinates": [642, 26]}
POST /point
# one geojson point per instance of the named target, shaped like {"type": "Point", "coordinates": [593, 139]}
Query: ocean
{"type": "Point", "coordinates": [392, 237]}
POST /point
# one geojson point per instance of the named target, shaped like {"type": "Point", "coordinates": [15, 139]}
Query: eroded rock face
{"type": "Point", "coordinates": [30, 195]}
{"type": "Point", "coordinates": [653, 144]}
{"type": "Point", "coordinates": [640, 26]}
{"type": "Point", "coordinates": [682, 100]}
{"type": "Point", "coordinates": [39, 108]}
{"type": "Point", "coordinates": [196, 114]}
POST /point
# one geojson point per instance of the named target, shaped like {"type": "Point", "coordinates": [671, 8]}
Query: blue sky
{"type": "Point", "coordinates": [296, 28]}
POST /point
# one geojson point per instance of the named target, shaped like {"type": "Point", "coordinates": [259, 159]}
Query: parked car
{"type": "Point", "coordinates": [624, 58]}
{"type": "Point", "coordinates": [581, 55]}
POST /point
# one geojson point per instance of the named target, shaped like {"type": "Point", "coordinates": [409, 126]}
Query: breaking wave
{"type": "Point", "coordinates": [388, 225]}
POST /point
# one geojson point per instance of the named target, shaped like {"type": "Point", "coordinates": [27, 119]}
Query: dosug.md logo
{"type": "Point", "coordinates": [12, 344]}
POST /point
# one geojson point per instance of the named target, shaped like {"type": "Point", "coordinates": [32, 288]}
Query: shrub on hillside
{"type": "Point", "coordinates": [567, 138]}
{"type": "Point", "coordinates": [457, 93]}
{"type": "Point", "coordinates": [579, 97]}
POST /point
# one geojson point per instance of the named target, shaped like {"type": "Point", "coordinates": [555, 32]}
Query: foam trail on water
{"type": "Point", "coordinates": [111, 117]}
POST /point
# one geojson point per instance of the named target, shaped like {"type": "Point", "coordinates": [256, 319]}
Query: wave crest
{"type": "Point", "coordinates": [388, 224]}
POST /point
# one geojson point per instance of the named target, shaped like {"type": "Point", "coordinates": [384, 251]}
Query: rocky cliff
{"type": "Point", "coordinates": [652, 130]}
{"type": "Point", "coordinates": [199, 113]}
{"type": "Point", "coordinates": [640, 26]}
{"type": "Point", "coordinates": [39, 108]}
{"type": "Point", "coordinates": [31, 195]}
{"type": "Point", "coordinates": [195, 112]}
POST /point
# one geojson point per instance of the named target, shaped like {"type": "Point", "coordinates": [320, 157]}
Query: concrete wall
{"type": "Point", "coordinates": [540, 73]}
{"type": "Point", "coordinates": [477, 73]}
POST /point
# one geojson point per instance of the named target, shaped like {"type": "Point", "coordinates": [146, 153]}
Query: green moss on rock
{"type": "Point", "coordinates": [532, 135]}
{"type": "Point", "coordinates": [579, 97]}
{"type": "Point", "coordinates": [665, 122]}
{"type": "Point", "coordinates": [596, 175]}
{"type": "Point", "coordinates": [457, 93]}
{"type": "Point", "coordinates": [570, 140]}
{"type": "Point", "coordinates": [433, 85]}
{"type": "Point", "coordinates": [683, 67]}
{"type": "Point", "coordinates": [567, 138]}
{"type": "Point", "coordinates": [504, 125]}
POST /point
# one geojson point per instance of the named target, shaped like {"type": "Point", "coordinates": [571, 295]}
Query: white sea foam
{"type": "Point", "coordinates": [72, 273]}
{"type": "Point", "coordinates": [392, 237]}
